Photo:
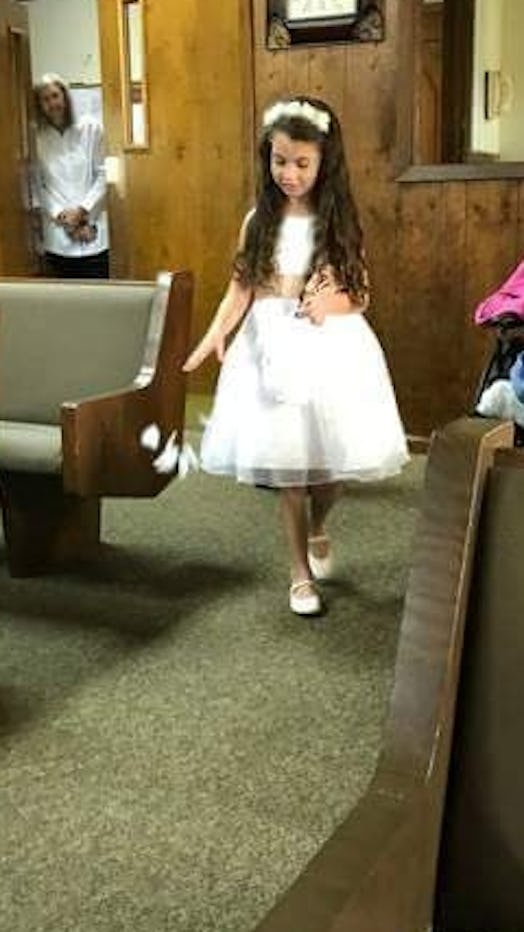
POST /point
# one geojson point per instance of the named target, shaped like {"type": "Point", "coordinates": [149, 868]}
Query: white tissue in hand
{"type": "Point", "coordinates": [167, 460]}
{"type": "Point", "coordinates": [150, 437]}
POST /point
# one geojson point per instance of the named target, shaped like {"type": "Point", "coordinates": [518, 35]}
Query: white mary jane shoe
{"type": "Point", "coordinates": [321, 567]}
{"type": "Point", "coordinates": [304, 599]}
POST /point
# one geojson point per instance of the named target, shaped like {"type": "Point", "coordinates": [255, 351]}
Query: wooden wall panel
{"type": "Point", "coordinates": [434, 249]}
{"type": "Point", "coordinates": [455, 316]}
{"type": "Point", "coordinates": [492, 222]}
{"type": "Point", "coordinates": [420, 331]}
{"type": "Point", "coordinates": [182, 201]}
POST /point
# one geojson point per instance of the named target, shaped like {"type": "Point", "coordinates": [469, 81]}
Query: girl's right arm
{"type": "Point", "coordinates": [230, 312]}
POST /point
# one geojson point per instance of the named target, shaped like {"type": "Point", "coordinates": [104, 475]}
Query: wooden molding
{"type": "Point", "coordinates": [404, 168]}
{"type": "Point", "coordinates": [457, 171]}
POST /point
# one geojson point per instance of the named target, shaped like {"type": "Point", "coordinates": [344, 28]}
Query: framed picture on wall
{"type": "Point", "coordinates": [321, 22]}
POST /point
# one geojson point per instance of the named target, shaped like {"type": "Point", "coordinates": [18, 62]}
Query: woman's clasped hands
{"type": "Point", "coordinates": [75, 222]}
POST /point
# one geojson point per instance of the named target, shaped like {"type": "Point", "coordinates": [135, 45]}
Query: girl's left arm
{"type": "Point", "coordinates": [323, 296]}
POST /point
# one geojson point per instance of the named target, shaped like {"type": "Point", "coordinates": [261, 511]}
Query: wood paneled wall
{"type": "Point", "coordinates": [15, 247]}
{"type": "Point", "coordinates": [434, 249]}
{"type": "Point", "coordinates": [182, 201]}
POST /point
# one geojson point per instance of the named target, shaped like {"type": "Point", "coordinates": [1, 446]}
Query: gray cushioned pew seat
{"type": "Point", "coordinates": [65, 342]}
{"type": "Point", "coordinates": [30, 447]}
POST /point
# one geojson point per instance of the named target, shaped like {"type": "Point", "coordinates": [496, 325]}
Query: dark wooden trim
{"type": "Point", "coordinates": [457, 74]}
{"type": "Point", "coordinates": [407, 29]}
{"type": "Point", "coordinates": [403, 169]}
{"type": "Point", "coordinates": [484, 171]}
{"type": "Point", "coordinates": [377, 872]}
{"type": "Point", "coordinates": [323, 30]}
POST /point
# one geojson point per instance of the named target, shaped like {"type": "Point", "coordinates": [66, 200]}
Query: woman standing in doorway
{"type": "Point", "coordinates": [69, 186]}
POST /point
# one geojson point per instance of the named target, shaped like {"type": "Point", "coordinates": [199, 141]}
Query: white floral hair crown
{"type": "Point", "coordinates": [296, 108]}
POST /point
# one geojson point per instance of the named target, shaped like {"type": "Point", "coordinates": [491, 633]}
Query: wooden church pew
{"type": "Point", "coordinates": [84, 367]}
{"type": "Point", "coordinates": [480, 885]}
{"type": "Point", "coordinates": [378, 871]}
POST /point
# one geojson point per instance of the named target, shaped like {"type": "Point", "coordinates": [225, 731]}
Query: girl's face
{"type": "Point", "coordinates": [294, 165]}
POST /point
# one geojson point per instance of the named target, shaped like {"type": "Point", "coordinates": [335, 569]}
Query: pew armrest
{"type": "Point", "coordinates": [101, 435]}
{"type": "Point", "coordinates": [101, 445]}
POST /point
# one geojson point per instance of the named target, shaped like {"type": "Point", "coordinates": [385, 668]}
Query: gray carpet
{"type": "Point", "coordinates": [175, 745]}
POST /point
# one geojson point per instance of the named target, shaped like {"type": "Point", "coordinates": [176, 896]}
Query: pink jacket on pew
{"type": "Point", "coordinates": [507, 299]}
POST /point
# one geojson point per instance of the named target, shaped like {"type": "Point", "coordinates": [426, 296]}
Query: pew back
{"type": "Point", "coordinates": [481, 875]}
{"type": "Point", "coordinates": [377, 873]}
{"type": "Point", "coordinates": [67, 341]}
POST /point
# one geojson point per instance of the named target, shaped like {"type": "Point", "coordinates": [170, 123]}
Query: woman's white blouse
{"type": "Point", "coordinates": [70, 173]}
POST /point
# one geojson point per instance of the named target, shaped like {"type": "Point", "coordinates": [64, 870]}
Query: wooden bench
{"type": "Point", "coordinates": [480, 882]}
{"type": "Point", "coordinates": [437, 841]}
{"type": "Point", "coordinates": [84, 367]}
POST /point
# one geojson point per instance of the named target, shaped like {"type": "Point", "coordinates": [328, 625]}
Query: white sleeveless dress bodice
{"type": "Point", "coordinates": [294, 245]}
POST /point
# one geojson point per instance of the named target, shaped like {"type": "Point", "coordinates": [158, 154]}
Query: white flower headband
{"type": "Point", "coordinates": [296, 108]}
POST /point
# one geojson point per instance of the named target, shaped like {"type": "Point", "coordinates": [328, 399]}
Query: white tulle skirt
{"type": "Point", "coordinates": [298, 404]}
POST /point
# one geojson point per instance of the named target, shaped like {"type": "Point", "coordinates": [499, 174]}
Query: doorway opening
{"type": "Point", "coordinates": [64, 41]}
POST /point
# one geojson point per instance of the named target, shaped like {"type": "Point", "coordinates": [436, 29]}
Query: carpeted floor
{"type": "Point", "coordinates": [174, 745]}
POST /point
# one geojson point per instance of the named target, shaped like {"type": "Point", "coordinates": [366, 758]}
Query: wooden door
{"type": "Point", "coordinates": [17, 252]}
{"type": "Point", "coordinates": [181, 191]}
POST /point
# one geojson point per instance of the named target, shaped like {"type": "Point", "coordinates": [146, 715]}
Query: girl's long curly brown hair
{"type": "Point", "coordinates": [338, 234]}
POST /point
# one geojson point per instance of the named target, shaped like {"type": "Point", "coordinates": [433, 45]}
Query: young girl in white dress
{"type": "Point", "coordinates": [304, 400]}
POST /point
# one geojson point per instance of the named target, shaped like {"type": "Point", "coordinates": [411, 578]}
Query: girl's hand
{"type": "Point", "coordinates": [318, 305]}
{"type": "Point", "coordinates": [212, 342]}
{"type": "Point", "coordinates": [314, 306]}
{"type": "Point", "coordinates": [322, 296]}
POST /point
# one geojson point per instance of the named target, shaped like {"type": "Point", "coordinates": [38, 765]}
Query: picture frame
{"type": "Point", "coordinates": [322, 22]}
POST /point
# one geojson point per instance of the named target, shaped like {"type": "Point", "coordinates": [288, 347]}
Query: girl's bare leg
{"type": "Point", "coordinates": [323, 497]}
{"type": "Point", "coordinates": [293, 503]}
